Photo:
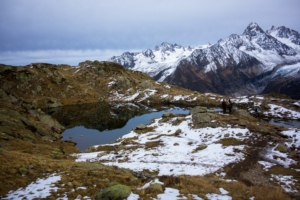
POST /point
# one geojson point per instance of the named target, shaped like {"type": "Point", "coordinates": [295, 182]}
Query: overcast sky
{"type": "Point", "coordinates": [71, 31]}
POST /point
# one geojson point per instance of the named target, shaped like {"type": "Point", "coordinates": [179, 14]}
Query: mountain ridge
{"type": "Point", "coordinates": [253, 57]}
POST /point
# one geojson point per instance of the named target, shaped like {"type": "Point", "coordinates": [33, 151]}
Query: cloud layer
{"type": "Point", "coordinates": [34, 25]}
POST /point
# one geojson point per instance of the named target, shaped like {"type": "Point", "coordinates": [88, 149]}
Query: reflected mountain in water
{"type": "Point", "coordinates": [94, 124]}
{"type": "Point", "coordinates": [100, 116]}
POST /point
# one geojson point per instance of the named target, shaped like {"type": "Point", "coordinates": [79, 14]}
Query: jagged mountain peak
{"type": "Point", "coordinates": [148, 53]}
{"type": "Point", "coordinates": [283, 32]}
{"type": "Point", "coordinates": [246, 57]}
{"type": "Point", "coordinates": [253, 29]}
{"type": "Point", "coordinates": [165, 46]}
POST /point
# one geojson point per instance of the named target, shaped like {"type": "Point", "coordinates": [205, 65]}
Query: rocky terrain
{"type": "Point", "coordinates": [253, 62]}
{"type": "Point", "coordinates": [205, 154]}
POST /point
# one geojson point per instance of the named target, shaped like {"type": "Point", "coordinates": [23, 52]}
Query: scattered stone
{"type": "Point", "coordinates": [281, 148]}
{"type": "Point", "coordinates": [30, 167]}
{"type": "Point", "coordinates": [105, 180]}
{"type": "Point", "coordinates": [115, 192]}
{"type": "Point", "coordinates": [167, 114]}
{"type": "Point", "coordinates": [200, 147]}
{"type": "Point", "coordinates": [141, 127]}
{"type": "Point", "coordinates": [155, 188]}
{"type": "Point", "coordinates": [23, 171]}
{"type": "Point", "coordinates": [177, 132]}
{"type": "Point", "coordinates": [266, 106]}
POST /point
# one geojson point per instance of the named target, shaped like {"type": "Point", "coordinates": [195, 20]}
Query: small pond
{"type": "Point", "coordinates": [285, 123]}
{"type": "Point", "coordinates": [94, 124]}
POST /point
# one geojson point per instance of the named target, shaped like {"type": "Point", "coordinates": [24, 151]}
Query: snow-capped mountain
{"type": "Point", "coordinates": [286, 36]}
{"type": "Point", "coordinates": [163, 59]}
{"type": "Point", "coordinates": [239, 64]}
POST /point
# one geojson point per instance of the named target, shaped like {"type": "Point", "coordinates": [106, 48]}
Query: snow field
{"type": "Point", "coordinates": [176, 154]}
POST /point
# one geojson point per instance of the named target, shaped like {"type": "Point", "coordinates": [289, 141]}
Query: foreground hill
{"type": "Point", "coordinates": [238, 65]}
{"type": "Point", "coordinates": [46, 85]}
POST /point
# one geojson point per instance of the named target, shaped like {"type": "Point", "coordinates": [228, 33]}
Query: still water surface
{"type": "Point", "coordinates": [93, 124]}
{"type": "Point", "coordinates": [89, 125]}
{"type": "Point", "coordinates": [286, 123]}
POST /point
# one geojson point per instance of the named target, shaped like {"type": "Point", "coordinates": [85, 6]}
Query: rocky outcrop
{"type": "Point", "coordinates": [201, 118]}
{"type": "Point", "coordinates": [43, 85]}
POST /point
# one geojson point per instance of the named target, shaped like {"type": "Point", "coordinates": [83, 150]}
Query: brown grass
{"type": "Point", "coordinates": [202, 185]}
{"type": "Point", "coordinates": [230, 142]}
{"type": "Point", "coordinates": [37, 159]}
{"type": "Point", "coordinates": [153, 144]}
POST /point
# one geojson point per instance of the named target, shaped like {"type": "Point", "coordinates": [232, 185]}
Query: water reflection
{"type": "Point", "coordinates": [286, 123]}
{"type": "Point", "coordinates": [92, 124]}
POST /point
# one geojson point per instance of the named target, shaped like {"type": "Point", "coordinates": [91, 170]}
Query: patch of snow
{"type": "Point", "coordinates": [281, 112]}
{"type": "Point", "coordinates": [171, 159]}
{"type": "Point", "coordinates": [286, 182]}
{"type": "Point", "coordinates": [294, 134]}
{"type": "Point", "coordinates": [277, 157]}
{"type": "Point", "coordinates": [132, 97]}
{"type": "Point", "coordinates": [111, 83]}
{"type": "Point", "coordinates": [218, 197]}
{"type": "Point", "coordinates": [133, 196]}
{"type": "Point", "coordinates": [151, 183]}
{"type": "Point", "coordinates": [180, 97]}
{"type": "Point", "coordinates": [267, 165]}
{"type": "Point", "coordinates": [170, 193]}
{"type": "Point", "coordinates": [41, 188]}
{"type": "Point", "coordinates": [223, 191]}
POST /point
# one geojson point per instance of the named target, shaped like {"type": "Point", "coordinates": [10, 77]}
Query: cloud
{"type": "Point", "coordinates": [71, 57]}
{"type": "Point", "coordinates": [34, 25]}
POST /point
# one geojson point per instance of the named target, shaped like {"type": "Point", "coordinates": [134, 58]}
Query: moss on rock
{"type": "Point", "coordinates": [115, 192]}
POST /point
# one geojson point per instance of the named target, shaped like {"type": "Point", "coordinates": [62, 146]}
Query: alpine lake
{"type": "Point", "coordinates": [95, 124]}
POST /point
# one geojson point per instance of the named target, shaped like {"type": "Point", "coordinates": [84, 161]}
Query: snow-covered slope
{"type": "Point", "coordinates": [287, 36]}
{"type": "Point", "coordinates": [273, 47]}
{"type": "Point", "coordinates": [252, 55]}
{"type": "Point", "coordinates": [162, 59]}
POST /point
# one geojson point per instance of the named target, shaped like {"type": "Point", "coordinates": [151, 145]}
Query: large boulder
{"type": "Point", "coordinates": [242, 112]}
{"type": "Point", "coordinates": [155, 188]}
{"type": "Point", "coordinates": [116, 192]}
{"type": "Point", "coordinates": [198, 109]}
{"type": "Point", "coordinates": [201, 120]}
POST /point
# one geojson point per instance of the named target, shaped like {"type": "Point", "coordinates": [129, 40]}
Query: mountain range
{"type": "Point", "coordinates": [253, 62]}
